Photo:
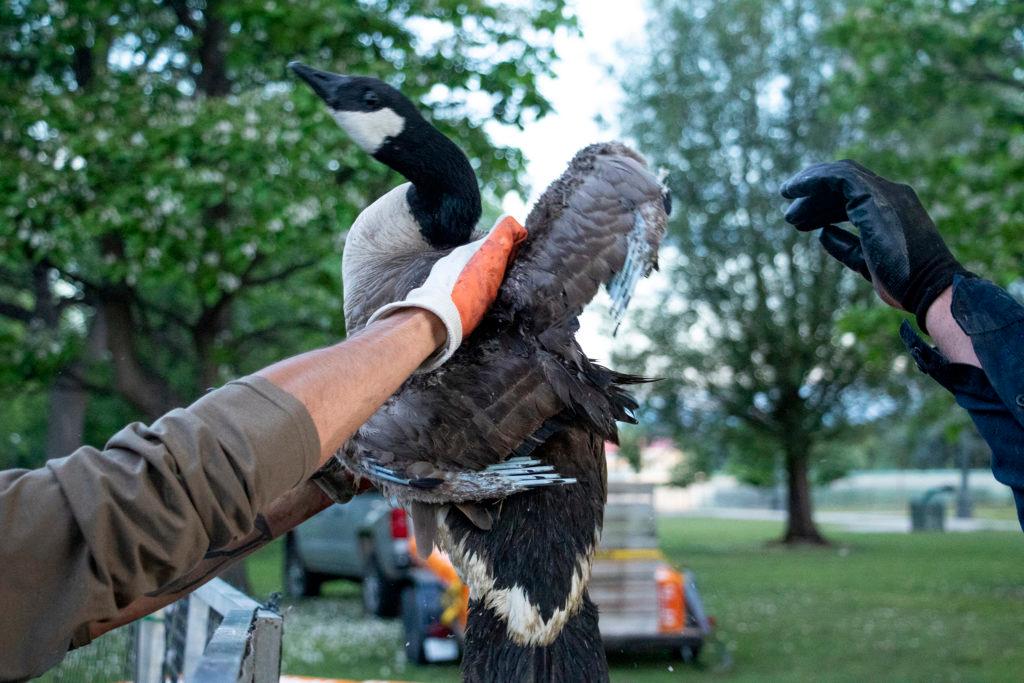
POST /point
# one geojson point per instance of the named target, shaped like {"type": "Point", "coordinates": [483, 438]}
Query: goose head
{"type": "Point", "coordinates": [370, 111]}
{"type": "Point", "coordinates": [443, 200]}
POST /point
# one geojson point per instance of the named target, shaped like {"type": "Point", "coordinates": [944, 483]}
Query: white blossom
{"type": "Point", "coordinates": [228, 281]}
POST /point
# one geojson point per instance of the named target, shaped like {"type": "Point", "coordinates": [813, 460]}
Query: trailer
{"type": "Point", "coordinates": [645, 604]}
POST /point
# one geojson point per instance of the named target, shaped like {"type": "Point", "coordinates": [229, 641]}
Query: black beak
{"type": "Point", "coordinates": [323, 83]}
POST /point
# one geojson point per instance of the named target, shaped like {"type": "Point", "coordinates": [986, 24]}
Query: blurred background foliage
{"type": "Point", "coordinates": [172, 208]}
{"type": "Point", "coordinates": [779, 366]}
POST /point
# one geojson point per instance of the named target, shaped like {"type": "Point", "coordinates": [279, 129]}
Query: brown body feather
{"type": "Point", "coordinates": [523, 366]}
{"type": "Point", "coordinates": [521, 384]}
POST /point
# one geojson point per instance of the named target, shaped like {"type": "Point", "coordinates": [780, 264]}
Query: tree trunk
{"type": "Point", "coordinates": [213, 80]}
{"type": "Point", "coordinates": [800, 527]}
{"type": "Point", "coordinates": [69, 400]}
{"type": "Point", "coordinates": [65, 421]}
{"type": "Point", "coordinates": [204, 338]}
{"type": "Point", "coordinates": [146, 392]}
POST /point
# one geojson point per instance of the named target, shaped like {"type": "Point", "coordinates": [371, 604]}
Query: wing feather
{"type": "Point", "coordinates": [579, 233]}
{"type": "Point", "coordinates": [521, 375]}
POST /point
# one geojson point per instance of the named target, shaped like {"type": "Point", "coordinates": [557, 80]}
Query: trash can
{"type": "Point", "coordinates": [928, 511]}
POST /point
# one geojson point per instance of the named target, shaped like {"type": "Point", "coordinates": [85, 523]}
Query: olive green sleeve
{"type": "Point", "coordinates": [86, 534]}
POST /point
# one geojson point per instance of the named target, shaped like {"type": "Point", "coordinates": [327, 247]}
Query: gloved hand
{"type": "Point", "coordinates": [462, 285]}
{"type": "Point", "coordinates": [899, 250]}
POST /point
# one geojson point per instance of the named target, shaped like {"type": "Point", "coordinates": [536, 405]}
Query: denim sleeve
{"type": "Point", "coordinates": [994, 395]}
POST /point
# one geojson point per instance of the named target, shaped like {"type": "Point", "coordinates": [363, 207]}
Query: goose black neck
{"type": "Point", "coordinates": [576, 655]}
{"type": "Point", "coordinates": [445, 198]}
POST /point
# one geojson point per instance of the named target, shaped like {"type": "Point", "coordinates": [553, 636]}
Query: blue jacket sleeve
{"type": "Point", "coordinates": [993, 395]}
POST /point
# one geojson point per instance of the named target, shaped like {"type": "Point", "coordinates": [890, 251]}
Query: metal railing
{"type": "Point", "coordinates": [215, 635]}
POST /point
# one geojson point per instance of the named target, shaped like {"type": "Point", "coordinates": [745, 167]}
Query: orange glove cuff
{"type": "Point", "coordinates": [479, 282]}
{"type": "Point", "coordinates": [462, 285]}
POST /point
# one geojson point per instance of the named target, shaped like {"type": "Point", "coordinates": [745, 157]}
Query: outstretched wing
{"type": "Point", "coordinates": [599, 224]}
{"type": "Point", "coordinates": [522, 373]}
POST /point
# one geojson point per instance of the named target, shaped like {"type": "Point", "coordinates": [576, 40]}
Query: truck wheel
{"type": "Point", "coordinates": [298, 582]}
{"type": "Point", "coordinates": [690, 653]}
{"type": "Point", "coordinates": [421, 616]}
{"type": "Point", "coordinates": [413, 627]}
{"type": "Point", "coordinates": [381, 596]}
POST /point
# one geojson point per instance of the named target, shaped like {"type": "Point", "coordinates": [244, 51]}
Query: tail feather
{"type": "Point", "coordinates": [424, 526]}
{"type": "Point", "coordinates": [530, 617]}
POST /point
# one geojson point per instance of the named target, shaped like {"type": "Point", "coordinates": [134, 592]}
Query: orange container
{"type": "Point", "coordinates": [671, 600]}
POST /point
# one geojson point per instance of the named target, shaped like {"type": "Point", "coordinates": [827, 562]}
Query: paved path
{"type": "Point", "coordinates": [867, 522]}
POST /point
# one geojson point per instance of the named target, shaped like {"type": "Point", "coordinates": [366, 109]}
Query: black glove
{"type": "Point", "coordinates": [899, 250]}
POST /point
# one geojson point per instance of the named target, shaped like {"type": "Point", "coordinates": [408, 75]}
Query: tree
{"type": "Point", "coordinates": [938, 95]}
{"type": "Point", "coordinates": [938, 90]}
{"type": "Point", "coordinates": [171, 208]}
{"type": "Point", "coordinates": [732, 98]}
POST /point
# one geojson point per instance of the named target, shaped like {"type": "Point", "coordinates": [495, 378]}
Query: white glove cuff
{"type": "Point", "coordinates": [443, 308]}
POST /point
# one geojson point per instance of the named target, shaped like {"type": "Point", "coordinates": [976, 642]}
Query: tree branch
{"type": "Point", "coordinates": [98, 290]}
{"type": "Point", "coordinates": [988, 76]}
{"type": "Point", "coordinates": [271, 332]}
{"type": "Point", "coordinates": [16, 312]}
{"type": "Point", "coordinates": [11, 277]}
{"type": "Point", "coordinates": [282, 274]}
{"type": "Point", "coordinates": [71, 374]}
{"type": "Point", "coordinates": [181, 11]}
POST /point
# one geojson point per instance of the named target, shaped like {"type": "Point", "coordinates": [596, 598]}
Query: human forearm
{"type": "Point", "coordinates": [993, 324]}
{"type": "Point", "coordinates": [947, 333]}
{"type": "Point", "coordinates": [89, 532]}
{"type": "Point", "coordinates": [994, 420]}
{"type": "Point", "coordinates": [339, 387]}
{"type": "Point", "coordinates": [342, 385]}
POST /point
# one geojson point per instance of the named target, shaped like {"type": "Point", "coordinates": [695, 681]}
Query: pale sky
{"type": "Point", "coordinates": [581, 90]}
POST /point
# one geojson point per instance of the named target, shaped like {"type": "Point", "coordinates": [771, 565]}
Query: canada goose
{"type": "Point", "coordinates": [474, 447]}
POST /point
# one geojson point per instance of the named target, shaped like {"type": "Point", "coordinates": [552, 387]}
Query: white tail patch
{"type": "Point", "coordinates": [526, 627]}
{"type": "Point", "coordinates": [369, 129]}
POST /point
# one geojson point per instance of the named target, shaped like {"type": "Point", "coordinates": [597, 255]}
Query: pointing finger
{"type": "Point", "coordinates": [842, 177]}
{"type": "Point", "coordinates": [816, 210]}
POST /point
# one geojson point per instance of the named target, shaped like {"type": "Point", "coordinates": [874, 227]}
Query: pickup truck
{"type": "Point", "coordinates": [364, 540]}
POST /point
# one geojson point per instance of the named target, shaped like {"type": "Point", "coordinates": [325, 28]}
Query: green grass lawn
{"type": "Point", "coordinates": [986, 511]}
{"type": "Point", "coordinates": [929, 607]}
{"type": "Point", "coordinates": [1006, 512]}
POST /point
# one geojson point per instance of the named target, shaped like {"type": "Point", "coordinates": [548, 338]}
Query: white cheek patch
{"type": "Point", "coordinates": [524, 623]}
{"type": "Point", "coordinates": [370, 129]}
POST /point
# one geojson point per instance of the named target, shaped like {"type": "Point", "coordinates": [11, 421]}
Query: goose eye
{"type": "Point", "coordinates": [370, 98]}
